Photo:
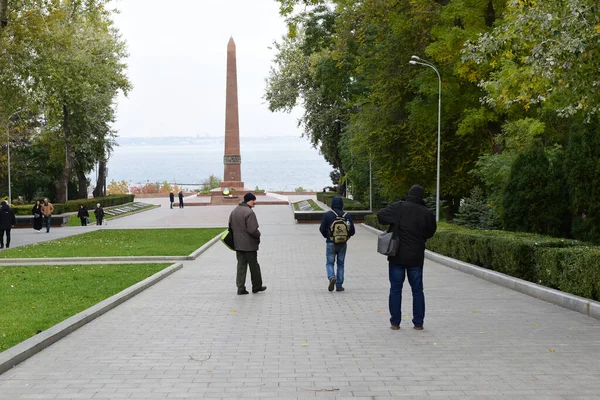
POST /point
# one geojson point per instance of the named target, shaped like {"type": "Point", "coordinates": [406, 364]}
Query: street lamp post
{"type": "Point", "coordinates": [414, 61]}
{"type": "Point", "coordinates": [8, 156]}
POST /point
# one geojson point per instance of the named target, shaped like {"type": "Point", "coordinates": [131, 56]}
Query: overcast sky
{"type": "Point", "coordinates": [177, 62]}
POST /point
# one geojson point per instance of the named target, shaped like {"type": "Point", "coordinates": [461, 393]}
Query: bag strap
{"type": "Point", "coordinates": [340, 216]}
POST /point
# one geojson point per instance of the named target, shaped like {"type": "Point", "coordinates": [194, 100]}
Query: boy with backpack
{"type": "Point", "coordinates": [337, 228]}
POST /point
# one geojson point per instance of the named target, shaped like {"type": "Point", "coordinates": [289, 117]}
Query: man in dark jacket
{"type": "Point", "coordinates": [246, 238]}
{"type": "Point", "coordinates": [180, 199]}
{"type": "Point", "coordinates": [7, 221]}
{"type": "Point", "coordinates": [171, 198]}
{"type": "Point", "coordinates": [333, 250]}
{"type": "Point", "coordinates": [412, 223]}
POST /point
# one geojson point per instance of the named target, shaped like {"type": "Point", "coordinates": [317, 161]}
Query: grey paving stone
{"type": "Point", "coordinates": [191, 336]}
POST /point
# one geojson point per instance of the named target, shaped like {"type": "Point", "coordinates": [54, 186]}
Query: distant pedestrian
{"type": "Point", "coordinates": [99, 213]}
{"type": "Point", "coordinates": [336, 227]}
{"type": "Point", "coordinates": [246, 237]}
{"type": "Point", "coordinates": [47, 210]}
{"type": "Point", "coordinates": [83, 215]}
{"type": "Point", "coordinates": [180, 199]}
{"type": "Point", "coordinates": [7, 221]}
{"type": "Point", "coordinates": [36, 211]}
{"type": "Point", "coordinates": [171, 198]}
{"type": "Point", "coordinates": [412, 223]}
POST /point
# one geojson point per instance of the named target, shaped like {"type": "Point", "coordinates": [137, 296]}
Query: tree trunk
{"type": "Point", "coordinates": [99, 190]}
{"type": "Point", "coordinates": [3, 14]}
{"type": "Point", "coordinates": [61, 184]}
{"type": "Point", "coordinates": [341, 189]}
{"type": "Point", "coordinates": [82, 193]}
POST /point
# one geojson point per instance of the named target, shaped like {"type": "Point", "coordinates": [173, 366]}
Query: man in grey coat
{"type": "Point", "coordinates": [246, 237]}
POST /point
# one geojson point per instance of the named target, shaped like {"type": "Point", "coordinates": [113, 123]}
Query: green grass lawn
{"type": "Point", "coordinates": [74, 221]}
{"type": "Point", "coordinates": [312, 203]}
{"type": "Point", "coordinates": [35, 298]}
{"type": "Point", "coordinates": [119, 242]}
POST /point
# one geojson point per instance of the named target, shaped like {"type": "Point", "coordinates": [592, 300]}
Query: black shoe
{"type": "Point", "coordinates": [339, 289]}
{"type": "Point", "coordinates": [243, 292]}
{"type": "Point", "coordinates": [260, 289]}
{"type": "Point", "coordinates": [331, 284]}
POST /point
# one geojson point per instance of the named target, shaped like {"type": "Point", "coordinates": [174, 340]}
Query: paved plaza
{"type": "Point", "coordinates": [191, 336]}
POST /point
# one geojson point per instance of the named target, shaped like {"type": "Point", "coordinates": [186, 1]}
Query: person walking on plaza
{"type": "Point", "coordinates": [336, 227]}
{"type": "Point", "coordinates": [246, 237]}
{"type": "Point", "coordinates": [83, 215]}
{"type": "Point", "coordinates": [171, 198]}
{"type": "Point", "coordinates": [47, 210]}
{"type": "Point", "coordinates": [36, 211]}
{"type": "Point", "coordinates": [412, 223]}
{"type": "Point", "coordinates": [99, 213]}
{"type": "Point", "coordinates": [180, 199]}
{"type": "Point", "coordinates": [7, 221]}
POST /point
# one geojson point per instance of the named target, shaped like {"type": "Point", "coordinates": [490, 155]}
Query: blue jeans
{"type": "Point", "coordinates": [415, 278]}
{"type": "Point", "coordinates": [47, 220]}
{"type": "Point", "coordinates": [333, 252]}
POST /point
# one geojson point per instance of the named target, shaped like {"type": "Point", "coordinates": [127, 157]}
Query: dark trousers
{"type": "Point", "coordinates": [7, 237]}
{"type": "Point", "coordinates": [245, 259]}
{"type": "Point", "coordinates": [397, 273]}
{"type": "Point", "coordinates": [181, 202]}
{"type": "Point", "coordinates": [47, 221]}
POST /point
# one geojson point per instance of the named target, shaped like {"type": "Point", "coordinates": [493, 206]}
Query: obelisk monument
{"type": "Point", "coordinates": [232, 175]}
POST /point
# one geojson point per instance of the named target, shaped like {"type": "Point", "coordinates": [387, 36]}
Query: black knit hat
{"type": "Point", "coordinates": [249, 197]}
{"type": "Point", "coordinates": [416, 191]}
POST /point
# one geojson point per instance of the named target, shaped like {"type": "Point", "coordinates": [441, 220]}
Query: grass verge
{"type": "Point", "coordinates": [35, 298]}
{"type": "Point", "coordinates": [119, 242]}
{"type": "Point", "coordinates": [313, 204]}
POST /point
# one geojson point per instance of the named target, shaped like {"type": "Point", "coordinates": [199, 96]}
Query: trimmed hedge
{"type": "Point", "coordinates": [73, 205]}
{"type": "Point", "coordinates": [572, 270]}
{"type": "Point", "coordinates": [567, 265]}
{"type": "Point", "coordinates": [371, 220]}
{"type": "Point", "coordinates": [349, 204]}
{"type": "Point", "coordinates": [510, 253]}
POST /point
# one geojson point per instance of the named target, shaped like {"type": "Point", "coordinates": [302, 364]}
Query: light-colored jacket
{"type": "Point", "coordinates": [47, 210]}
{"type": "Point", "coordinates": [244, 225]}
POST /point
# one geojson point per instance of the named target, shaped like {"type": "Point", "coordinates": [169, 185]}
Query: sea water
{"type": "Point", "coordinates": [269, 163]}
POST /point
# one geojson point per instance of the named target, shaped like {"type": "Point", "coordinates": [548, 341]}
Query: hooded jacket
{"type": "Point", "coordinates": [413, 223]}
{"type": "Point", "coordinates": [244, 226]}
{"type": "Point", "coordinates": [7, 217]}
{"type": "Point", "coordinates": [337, 209]}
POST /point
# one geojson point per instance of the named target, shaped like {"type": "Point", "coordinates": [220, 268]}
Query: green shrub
{"type": "Point", "coordinates": [510, 253]}
{"type": "Point", "coordinates": [475, 212]}
{"type": "Point", "coordinates": [26, 209]}
{"type": "Point", "coordinates": [583, 174]}
{"type": "Point", "coordinates": [535, 199]}
{"type": "Point", "coordinates": [572, 270]}
{"type": "Point", "coordinates": [371, 220]}
{"type": "Point", "coordinates": [349, 204]}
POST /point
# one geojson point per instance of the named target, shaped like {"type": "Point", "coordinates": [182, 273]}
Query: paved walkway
{"type": "Point", "coordinates": [191, 336]}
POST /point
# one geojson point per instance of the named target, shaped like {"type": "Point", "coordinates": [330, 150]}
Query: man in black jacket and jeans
{"type": "Point", "coordinates": [412, 223]}
{"type": "Point", "coordinates": [7, 221]}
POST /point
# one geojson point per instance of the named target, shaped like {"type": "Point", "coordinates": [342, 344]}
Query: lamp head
{"type": "Point", "coordinates": [412, 63]}
{"type": "Point", "coordinates": [415, 58]}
